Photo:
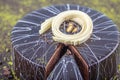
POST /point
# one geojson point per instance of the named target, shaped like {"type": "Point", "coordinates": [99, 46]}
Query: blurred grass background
{"type": "Point", "coordinates": [13, 10]}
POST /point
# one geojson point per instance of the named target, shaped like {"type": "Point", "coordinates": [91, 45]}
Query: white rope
{"type": "Point", "coordinates": [74, 39]}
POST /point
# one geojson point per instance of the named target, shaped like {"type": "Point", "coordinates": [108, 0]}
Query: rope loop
{"type": "Point", "coordinates": [73, 39]}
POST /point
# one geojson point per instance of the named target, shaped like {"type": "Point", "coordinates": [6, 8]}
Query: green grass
{"type": "Point", "coordinates": [13, 10]}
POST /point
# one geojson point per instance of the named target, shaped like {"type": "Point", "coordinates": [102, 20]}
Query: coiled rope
{"type": "Point", "coordinates": [73, 39]}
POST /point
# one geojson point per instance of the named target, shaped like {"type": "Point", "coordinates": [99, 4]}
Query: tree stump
{"type": "Point", "coordinates": [33, 51]}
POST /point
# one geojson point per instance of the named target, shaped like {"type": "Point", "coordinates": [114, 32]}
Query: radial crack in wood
{"type": "Point", "coordinates": [83, 66]}
{"type": "Point", "coordinates": [59, 52]}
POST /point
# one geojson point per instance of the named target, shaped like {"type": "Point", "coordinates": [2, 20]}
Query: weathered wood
{"type": "Point", "coordinates": [33, 51]}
